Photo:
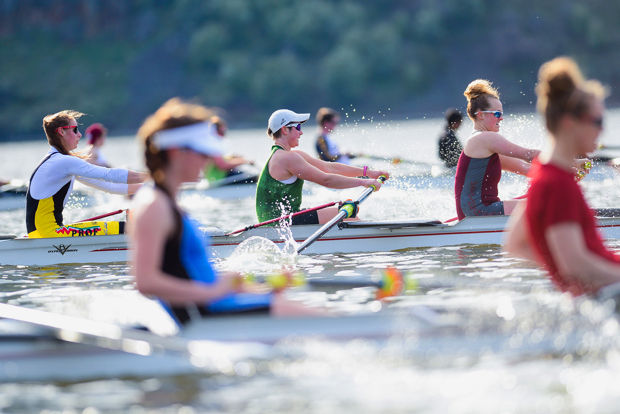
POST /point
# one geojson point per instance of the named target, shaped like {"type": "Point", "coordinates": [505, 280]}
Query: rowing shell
{"type": "Point", "coordinates": [348, 237]}
{"type": "Point", "coordinates": [31, 352]}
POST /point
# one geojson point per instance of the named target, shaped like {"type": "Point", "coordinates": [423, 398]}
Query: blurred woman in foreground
{"type": "Point", "coordinates": [168, 255]}
{"type": "Point", "coordinates": [555, 226]}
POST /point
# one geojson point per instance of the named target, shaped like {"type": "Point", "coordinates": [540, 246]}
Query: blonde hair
{"type": "Point", "coordinates": [52, 122]}
{"type": "Point", "coordinates": [478, 93]}
{"type": "Point", "coordinates": [563, 90]}
{"type": "Point", "coordinates": [173, 113]}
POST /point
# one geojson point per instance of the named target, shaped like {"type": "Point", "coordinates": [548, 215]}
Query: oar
{"type": "Point", "coordinates": [345, 211]}
{"type": "Point", "coordinates": [298, 213]}
{"type": "Point", "coordinates": [209, 354]}
{"type": "Point", "coordinates": [112, 213]}
{"type": "Point", "coordinates": [391, 282]}
{"type": "Point", "coordinates": [393, 160]}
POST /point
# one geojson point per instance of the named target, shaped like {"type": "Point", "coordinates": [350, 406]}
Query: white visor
{"type": "Point", "coordinates": [198, 137]}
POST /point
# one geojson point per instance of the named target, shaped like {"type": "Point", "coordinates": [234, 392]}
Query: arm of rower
{"type": "Point", "coordinates": [341, 169]}
{"type": "Point", "coordinates": [107, 186]}
{"type": "Point", "coordinates": [228, 163]}
{"type": "Point", "coordinates": [515, 239]}
{"type": "Point", "coordinates": [496, 143]}
{"type": "Point", "coordinates": [296, 164]}
{"type": "Point", "coordinates": [576, 262]}
{"type": "Point", "coordinates": [136, 177]}
{"type": "Point", "coordinates": [151, 225]}
{"type": "Point", "coordinates": [514, 165]}
{"type": "Point", "coordinates": [83, 169]}
{"type": "Point", "coordinates": [331, 167]}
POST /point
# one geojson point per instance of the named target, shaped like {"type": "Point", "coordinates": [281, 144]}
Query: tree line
{"type": "Point", "coordinates": [118, 61]}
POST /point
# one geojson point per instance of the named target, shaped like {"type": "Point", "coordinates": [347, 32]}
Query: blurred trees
{"type": "Point", "coordinates": [118, 61]}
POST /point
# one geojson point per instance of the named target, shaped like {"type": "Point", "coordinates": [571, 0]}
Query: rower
{"type": "Point", "coordinates": [555, 227]}
{"type": "Point", "coordinates": [168, 253]}
{"type": "Point", "coordinates": [96, 135]}
{"type": "Point", "coordinates": [280, 183]}
{"type": "Point", "coordinates": [485, 155]}
{"type": "Point", "coordinates": [52, 181]}
{"type": "Point", "coordinates": [226, 166]}
{"type": "Point", "coordinates": [327, 120]}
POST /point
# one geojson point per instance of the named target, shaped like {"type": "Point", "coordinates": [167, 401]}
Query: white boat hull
{"type": "Point", "coordinates": [32, 353]}
{"type": "Point", "coordinates": [352, 237]}
{"type": "Point", "coordinates": [65, 250]}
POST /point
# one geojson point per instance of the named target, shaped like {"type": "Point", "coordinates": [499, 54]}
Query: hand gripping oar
{"type": "Point", "coordinates": [347, 210]}
{"type": "Point", "coordinates": [275, 220]}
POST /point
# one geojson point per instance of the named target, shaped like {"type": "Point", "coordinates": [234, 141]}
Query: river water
{"type": "Point", "coordinates": [551, 353]}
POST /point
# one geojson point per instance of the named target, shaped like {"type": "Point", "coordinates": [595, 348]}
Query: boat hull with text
{"type": "Point", "coordinates": [349, 237]}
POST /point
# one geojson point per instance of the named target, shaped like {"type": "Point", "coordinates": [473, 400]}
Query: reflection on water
{"type": "Point", "coordinates": [496, 337]}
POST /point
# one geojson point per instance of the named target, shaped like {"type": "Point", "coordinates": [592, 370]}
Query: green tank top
{"type": "Point", "coordinates": [273, 198]}
{"type": "Point", "coordinates": [213, 174]}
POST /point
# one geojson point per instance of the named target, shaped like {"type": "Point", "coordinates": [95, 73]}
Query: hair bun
{"type": "Point", "coordinates": [479, 87]}
{"type": "Point", "coordinates": [558, 79]}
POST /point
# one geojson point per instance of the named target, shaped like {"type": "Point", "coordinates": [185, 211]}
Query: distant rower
{"type": "Point", "coordinates": [328, 119]}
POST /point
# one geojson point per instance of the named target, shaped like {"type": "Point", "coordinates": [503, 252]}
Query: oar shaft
{"type": "Point", "coordinates": [344, 283]}
{"type": "Point", "coordinates": [321, 231]}
{"type": "Point", "coordinates": [340, 216]}
{"type": "Point", "coordinates": [113, 213]}
{"type": "Point", "coordinates": [287, 216]}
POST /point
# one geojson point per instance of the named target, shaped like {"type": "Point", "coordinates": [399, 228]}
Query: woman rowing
{"type": "Point", "coordinates": [280, 183]}
{"type": "Point", "coordinates": [485, 155]}
{"type": "Point", "coordinates": [168, 254]}
{"type": "Point", "coordinates": [52, 181]}
{"type": "Point", "coordinates": [96, 135]}
{"type": "Point", "coordinates": [555, 227]}
{"type": "Point", "coordinates": [223, 167]}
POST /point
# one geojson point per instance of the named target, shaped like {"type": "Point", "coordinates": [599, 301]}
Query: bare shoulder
{"type": "Point", "coordinates": [150, 205]}
{"type": "Point", "coordinates": [286, 157]}
{"type": "Point", "coordinates": [486, 136]}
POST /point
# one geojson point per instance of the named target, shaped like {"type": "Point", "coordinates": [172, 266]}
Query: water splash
{"type": "Point", "coordinates": [257, 255]}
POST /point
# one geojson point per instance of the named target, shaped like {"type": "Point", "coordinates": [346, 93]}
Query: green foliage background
{"type": "Point", "coordinates": [119, 60]}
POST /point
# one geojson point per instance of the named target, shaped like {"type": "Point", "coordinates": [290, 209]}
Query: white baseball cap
{"type": "Point", "coordinates": [283, 117]}
{"type": "Point", "coordinates": [199, 137]}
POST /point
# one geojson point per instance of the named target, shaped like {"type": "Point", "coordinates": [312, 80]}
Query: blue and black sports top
{"type": "Point", "coordinates": [185, 257]}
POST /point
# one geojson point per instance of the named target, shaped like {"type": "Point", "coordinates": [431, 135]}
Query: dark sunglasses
{"type": "Point", "coordinates": [297, 127]}
{"type": "Point", "coordinates": [496, 114]}
{"type": "Point", "coordinates": [75, 128]}
{"type": "Point", "coordinates": [598, 122]}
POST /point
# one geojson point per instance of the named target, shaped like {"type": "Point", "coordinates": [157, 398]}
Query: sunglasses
{"type": "Point", "coordinates": [75, 128]}
{"type": "Point", "coordinates": [496, 114]}
{"type": "Point", "coordinates": [598, 122]}
{"type": "Point", "coordinates": [297, 127]}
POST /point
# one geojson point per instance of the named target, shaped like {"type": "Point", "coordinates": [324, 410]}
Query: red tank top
{"type": "Point", "coordinates": [475, 184]}
{"type": "Point", "coordinates": [553, 198]}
